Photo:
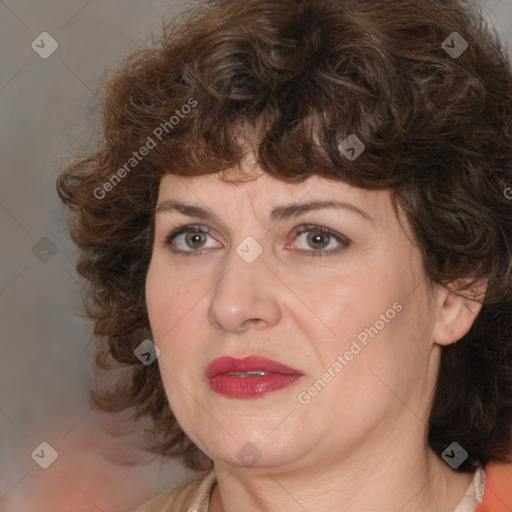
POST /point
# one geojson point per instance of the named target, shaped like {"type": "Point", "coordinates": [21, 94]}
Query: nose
{"type": "Point", "coordinates": [245, 297]}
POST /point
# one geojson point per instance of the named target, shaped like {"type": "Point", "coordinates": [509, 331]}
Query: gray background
{"type": "Point", "coordinates": [45, 107]}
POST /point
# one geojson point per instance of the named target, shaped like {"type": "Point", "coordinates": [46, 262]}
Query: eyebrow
{"type": "Point", "coordinates": [278, 213]}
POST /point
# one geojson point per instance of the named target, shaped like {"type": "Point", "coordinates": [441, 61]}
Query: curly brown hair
{"type": "Point", "coordinates": [296, 78]}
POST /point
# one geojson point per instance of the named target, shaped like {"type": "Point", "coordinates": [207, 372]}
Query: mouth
{"type": "Point", "coordinates": [249, 377]}
{"type": "Point", "coordinates": [247, 374]}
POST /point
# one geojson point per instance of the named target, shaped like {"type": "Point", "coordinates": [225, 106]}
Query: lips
{"type": "Point", "coordinates": [249, 377]}
{"type": "Point", "coordinates": [248, 364]}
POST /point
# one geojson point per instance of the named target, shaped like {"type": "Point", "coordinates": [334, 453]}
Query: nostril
{"type": "Point", "coordinates": [251, 322]}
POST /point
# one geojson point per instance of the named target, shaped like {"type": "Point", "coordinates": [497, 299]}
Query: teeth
{"type": "Point", "coordinates": [248, 374]}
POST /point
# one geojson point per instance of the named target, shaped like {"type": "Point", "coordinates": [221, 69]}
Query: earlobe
{"type": "Point", "coordinates": [457, 312]}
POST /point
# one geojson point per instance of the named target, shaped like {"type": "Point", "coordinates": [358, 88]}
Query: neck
{"type": "Point", "coordinates": [406, 480]}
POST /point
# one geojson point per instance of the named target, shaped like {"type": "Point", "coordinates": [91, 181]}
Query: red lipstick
{"type": "Point", "coordinates": [249, 377]}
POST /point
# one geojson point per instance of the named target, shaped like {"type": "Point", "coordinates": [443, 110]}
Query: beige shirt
{"type": "Point", "coordinates": [193, 495]}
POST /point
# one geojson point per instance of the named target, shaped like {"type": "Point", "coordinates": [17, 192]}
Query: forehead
{"type": "Point", "coordinates": [259, 189]}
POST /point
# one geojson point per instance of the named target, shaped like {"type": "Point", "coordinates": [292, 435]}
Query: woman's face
{"type": "Point", "coordinates": [334, 293]}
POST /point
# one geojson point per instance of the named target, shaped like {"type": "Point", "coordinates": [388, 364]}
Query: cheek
{"type": "Point", "coordinates": [173, 319]}
{"type": "Point", "coordinates": [349, 307]}
{"type": "Point", "coordinates": [379, 320]}
{"type": "Point", "coordinates": [395, 337]}
{"type": "Point", "coordinates": [167, 299]}
{"type": "Point", "coordinates": [174, 307]}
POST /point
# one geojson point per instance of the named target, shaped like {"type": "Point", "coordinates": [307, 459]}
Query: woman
{"type": "Point", "coordinates": [298, 245]}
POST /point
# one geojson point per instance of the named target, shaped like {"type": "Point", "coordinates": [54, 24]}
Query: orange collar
{"type": "Point", "coordinates": [498, 488]}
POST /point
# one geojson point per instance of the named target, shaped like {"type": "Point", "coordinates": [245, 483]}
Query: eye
{"type": "Point", "coordinates": [189, 240]}
{"type": "Point", "coordinates": [319, 238]}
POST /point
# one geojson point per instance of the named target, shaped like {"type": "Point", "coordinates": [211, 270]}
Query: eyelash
{"type": "Point", "coordinates": [300, 230]}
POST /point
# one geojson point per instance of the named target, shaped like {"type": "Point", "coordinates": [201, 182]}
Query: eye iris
{"type": "Point", "coordinates": [194, 238]}
{"type": "Point", "coordinates": [315, 239]}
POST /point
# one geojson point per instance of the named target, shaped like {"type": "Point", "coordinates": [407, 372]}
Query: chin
{"type": "Point", "coordinates": [253, 447]}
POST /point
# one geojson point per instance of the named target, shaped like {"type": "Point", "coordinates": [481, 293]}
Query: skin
{"type": "Point", "coordinates": [361, 441]}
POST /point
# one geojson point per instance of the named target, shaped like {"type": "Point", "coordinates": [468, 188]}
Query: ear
{"type": "Point", "coordinates": [456, 311]}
